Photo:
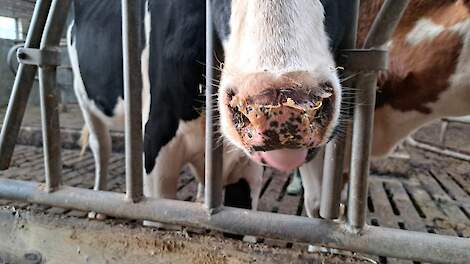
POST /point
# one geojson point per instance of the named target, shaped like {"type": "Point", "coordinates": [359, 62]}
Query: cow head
{"type": "Point", "coordinates": [279, 95]}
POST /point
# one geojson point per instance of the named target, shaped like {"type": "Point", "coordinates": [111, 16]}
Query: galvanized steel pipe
{"type": "Point", "coordinates": [213, 151]}
{"type": "Point", "coordinates": [22, 86]}
{"type": "Point", "coordinates": [380, 33]}
{"type": "Point", "coordinates": [335, 150]}
{"type": "Point", "coordinates": [131, 39]}
{"type": "Point", "coordinates": [49, 96]}
{"type": "Point", "coordinates": [372, 240]}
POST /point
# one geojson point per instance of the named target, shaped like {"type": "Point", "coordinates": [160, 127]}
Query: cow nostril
{"type": "Point", "coordinates": [323, 110]}
{"type": "Point", "coordinates": [239, 119]}
{"type": "Point", "coordinates": [230, 94]}
{"type": "Point", "coordinates": [327, 86]}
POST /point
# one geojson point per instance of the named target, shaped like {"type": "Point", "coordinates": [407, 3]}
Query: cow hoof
{"type": "Point", "coordinates": [199, 199]}
{"type": "Point", "coordinates": [319, 249]}
{"type": "Point", "coordinates": [250, 239]}
{"type": "Point", "coordinates": [161, 226]}
{"type": "Point", "coordinates": [200, 193]}
{"type": "Point", "coordinates": [96, 216]}
{"type": "Point", "coordinates": [295, 186]}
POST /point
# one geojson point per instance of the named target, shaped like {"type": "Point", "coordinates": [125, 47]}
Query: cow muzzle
{"type": "Point", "coordinates": [280, 122]}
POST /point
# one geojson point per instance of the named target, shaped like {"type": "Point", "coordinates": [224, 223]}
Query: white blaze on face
{"type": "Point", "coordinates": [276, 37]}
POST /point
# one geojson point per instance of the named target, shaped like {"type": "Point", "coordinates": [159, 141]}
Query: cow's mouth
{"type": "Point", "coordinates": [278, 127]}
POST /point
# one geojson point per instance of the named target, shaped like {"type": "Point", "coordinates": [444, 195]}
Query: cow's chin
{"type": "Point", "coordinates": [285, 160]}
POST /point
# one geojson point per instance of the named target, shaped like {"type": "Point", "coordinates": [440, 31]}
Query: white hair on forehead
{"type": "Point", "coordinates": [278, 35]}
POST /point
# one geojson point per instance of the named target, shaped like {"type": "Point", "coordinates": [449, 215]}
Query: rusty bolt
{"type": "Point", "coordinates": [22, 55]}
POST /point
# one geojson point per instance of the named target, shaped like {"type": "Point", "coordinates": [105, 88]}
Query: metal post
{"type": "Point", "coordinates": [49, 95]}
{"type": "Point", "coordinates": [213, 152]}
{"type": "Point", "coordinates": [380, 33]}
{"type": "Point", "coordinates": [332, 179]}
{"type": "Point", "coordinates": [22, 87]}
{"type": "Point", "coordinates": [131, 36]}
{"type": "Point", "coordinates": [334, 153]}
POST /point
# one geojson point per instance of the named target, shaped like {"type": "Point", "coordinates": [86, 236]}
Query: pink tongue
{"type": "Point", "coordinates": [282, 159]}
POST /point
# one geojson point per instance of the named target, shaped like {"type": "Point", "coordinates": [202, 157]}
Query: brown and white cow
{"type": "Point", "coordinates": [428, 78]}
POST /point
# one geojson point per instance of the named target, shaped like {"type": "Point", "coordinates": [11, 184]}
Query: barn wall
{"type": "Point", "coordinates": [23, 9]}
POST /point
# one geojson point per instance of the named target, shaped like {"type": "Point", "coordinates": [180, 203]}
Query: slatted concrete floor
{"type": "Point", "coordinates": [427, 193]}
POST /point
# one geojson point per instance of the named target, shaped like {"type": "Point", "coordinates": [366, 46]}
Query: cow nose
{"type": "Point", "coordinates": [283, 118]}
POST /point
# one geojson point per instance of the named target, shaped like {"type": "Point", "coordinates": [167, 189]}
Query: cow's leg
{"type": "Point", "coordinates": [246, 191]}
{"type": "Point", "coordinates": [99, 137]}
{"type": "Point", "coordinates": [200, 192]}
{"type": "Point", "coordinates": [197, 165]}
{"type": "Point", "coordinates": [100, 144]}
{"type": "Point", "coordinates": [253, 173]}
{"type": "Point", "coordinates": [99, 141]}
{"type": "Point", "coordinates": [254, 176]}
{"type": "Point", "coordinates": [311, 174]}
{"type": "Point", "coordinates": [162, 180]}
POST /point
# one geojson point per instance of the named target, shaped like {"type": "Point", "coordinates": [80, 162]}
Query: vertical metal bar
{"type": "Point", "coordinates": [131, 36]}
{"type": "Point", "coordinates": [213, 162]}
{"type": "Point", "coordinates": [22, 87]}
{"type": "Point", "coordinates": [49, 95]}
{"type": "Point", "coordinates": [332, 179]}
{"type": "Point", "coordinates": [334, 153]}
{"type": "Point", "coordinates": [380, 33]}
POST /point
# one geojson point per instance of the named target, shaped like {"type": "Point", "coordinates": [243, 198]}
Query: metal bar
{"type": "Point", "coordinates": [372, 240]}
{"type": "Point", "coordinates": [332, 179]}
{"type": "Point", "coordinates": [334, 153]}
{"type": "Point", "coordinates": [131, 36]}
{"type": "Point", "coordinates": [380, 33]}
{"type": "Point", "coordinates": [361, 146]}
{"type": "Point", "coordinates": [462, 119]}
{"type": "Point", "coordinates": [439, 150]}
{"type": "Point", "coordinates": [49, 96]}
{"type": "Point", "coordinates": [22, 87]}
{"type": "Point", "coordinates": [385, 23]}
{"type": "Point", "coordinates": [213, 152]}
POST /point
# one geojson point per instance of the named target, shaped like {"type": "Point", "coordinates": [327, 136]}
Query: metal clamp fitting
{"type": "Point", "coordinates": [39, 57]}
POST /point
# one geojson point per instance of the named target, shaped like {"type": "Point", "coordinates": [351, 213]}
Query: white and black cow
{"type": "Point", "coordinates": [279, 94]}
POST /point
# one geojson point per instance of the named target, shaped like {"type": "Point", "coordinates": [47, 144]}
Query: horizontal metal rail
{"type": "Point", "coordinates": [372, 240]}
{"type": "Point", "coordinates": [439, 150]}
{"type": "Point", "coordinates": [462, 119]}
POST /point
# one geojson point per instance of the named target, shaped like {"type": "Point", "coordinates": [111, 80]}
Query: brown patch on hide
{"type": "Point", "coordinates": [418, 73]}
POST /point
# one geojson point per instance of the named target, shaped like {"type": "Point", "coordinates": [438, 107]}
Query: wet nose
{"type": "Point", "coordinates": [280, 118]}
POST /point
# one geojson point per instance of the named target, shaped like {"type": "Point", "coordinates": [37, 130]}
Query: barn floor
{"type": "Point", "coordinates": [427, 192]}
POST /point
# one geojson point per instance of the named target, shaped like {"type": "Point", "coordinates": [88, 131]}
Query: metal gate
{"type": "Point", "coordinates": [41, 53]}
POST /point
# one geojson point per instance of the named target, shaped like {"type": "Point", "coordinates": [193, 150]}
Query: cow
{"type": "Point", "coordinates": [428, 78]}
{"type": "Point", "coordinates": [279, 93]}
